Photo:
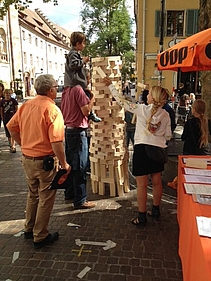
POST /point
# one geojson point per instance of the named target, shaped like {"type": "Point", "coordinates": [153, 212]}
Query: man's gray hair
{"type": "Point", "coordinates": [44, 83]}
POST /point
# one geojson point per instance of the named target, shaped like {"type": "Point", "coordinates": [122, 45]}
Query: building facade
{"type": "Point", "coordinates": [161, 24]}
{"type": "Point", "coordinates": [37, 46]}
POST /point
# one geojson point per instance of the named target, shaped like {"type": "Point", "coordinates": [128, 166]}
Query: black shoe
{"type": "Point", "coordinates": [28, 235]}
{"type": "Point", "coordinates": [141, 219]}
{"type": "Point", "coordinates": [155, 213]}
{"type": "Point", "coordinates": [94, 117]}
{"type": "Point", "coordinates": [48, 240]}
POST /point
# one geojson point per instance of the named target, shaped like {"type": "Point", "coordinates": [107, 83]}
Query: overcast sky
{"type": "Point", "coordinates": [66, 14]}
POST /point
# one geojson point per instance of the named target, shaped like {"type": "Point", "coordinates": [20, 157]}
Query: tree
{"type": "Point", "coordinates": [106, 23]}
{"type": "Point", "coordinates": [205, 76]}
{"type": "Point", "coordinates": [127, 69]}
{"type": "Point", "coordinates": [108, 29]}
{"type": "Point", "coordinates": [19, 4]}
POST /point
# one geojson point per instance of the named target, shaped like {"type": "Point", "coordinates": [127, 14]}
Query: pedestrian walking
{"type": "Point", "coordinates": [1, 97]}
{"type": "Point", "coordinates": [8, 107]}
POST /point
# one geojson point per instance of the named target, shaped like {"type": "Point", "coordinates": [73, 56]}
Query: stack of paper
{"type": "Point", "coordinates": [200, 163]}
{"type": "Point", "coordinates": [197, 181]}
{"type": "Point", "coordinates": [204, 226]}
{"type": "Point", "coordinates": [202, 199]}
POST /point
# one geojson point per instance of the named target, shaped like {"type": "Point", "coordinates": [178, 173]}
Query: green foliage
{"type": "Point", "coordinates": [127, 69]}
{"type": "Point", "coordinates": [19, 5]}
{"type": "Point", "coordinates": [108, 28]}
{"type": "Point", "coordinates": [107, 25]}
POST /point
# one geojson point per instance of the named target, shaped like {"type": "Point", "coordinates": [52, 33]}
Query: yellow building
{"type": "Point", "coordinates": [172, 21]}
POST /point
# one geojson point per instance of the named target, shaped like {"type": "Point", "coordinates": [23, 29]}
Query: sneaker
{"type": "Point", "coordinates": [94, 117]}
{"type": "Point", "coordinates": [48, 240]}
{"type": "Point", "coordinates": [85, 205]}
{"type": "Point", "coordinates": [28, 235]}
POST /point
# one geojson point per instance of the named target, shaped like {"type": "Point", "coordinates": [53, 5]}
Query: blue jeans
{"type": "Point", "coordinates": [76, 150]}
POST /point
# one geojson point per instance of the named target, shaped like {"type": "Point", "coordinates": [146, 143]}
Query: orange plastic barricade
{"type": "Point", "coordinates": [194, 250]}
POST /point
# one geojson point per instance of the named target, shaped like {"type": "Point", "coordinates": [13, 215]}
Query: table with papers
{"type": "Point", "coordinates": [194, 218]}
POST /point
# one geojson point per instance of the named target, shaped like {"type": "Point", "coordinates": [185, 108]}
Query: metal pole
{"type": "Point", "coordinates": [162, 18]}
{"type": "Point", "coordinates": [11, 45]}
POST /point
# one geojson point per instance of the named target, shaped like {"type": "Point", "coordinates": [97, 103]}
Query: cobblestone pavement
{"type": "Point", "coordinates": [147, 253]}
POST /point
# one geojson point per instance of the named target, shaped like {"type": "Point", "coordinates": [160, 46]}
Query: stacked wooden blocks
{"type": "Point", "coordinates": [108, 154]}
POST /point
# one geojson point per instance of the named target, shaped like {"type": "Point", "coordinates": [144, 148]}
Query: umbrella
{"type": "Point", "coordinates": [191, 54]}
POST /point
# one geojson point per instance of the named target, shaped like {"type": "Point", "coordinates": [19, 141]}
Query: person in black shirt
{"type": "Point", "coordinates": [196, 131]}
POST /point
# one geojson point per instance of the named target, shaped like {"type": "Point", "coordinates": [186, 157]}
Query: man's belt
{"type": "Point", "coordinates": [76, 129]}
{"type": "Point", "coordinates": [36, 158]}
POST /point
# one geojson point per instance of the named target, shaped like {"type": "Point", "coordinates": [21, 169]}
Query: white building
{"type": "Point", "coordinates": [32, 45]}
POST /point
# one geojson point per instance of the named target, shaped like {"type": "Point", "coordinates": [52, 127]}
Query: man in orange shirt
{"type": "Point", "coordinates": [38, 127]}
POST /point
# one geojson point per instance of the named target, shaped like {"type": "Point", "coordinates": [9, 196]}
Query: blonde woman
{"type": "Point", "coordinates": [196, 131]}
{"type": "Point", "coordinates": [153, 127]}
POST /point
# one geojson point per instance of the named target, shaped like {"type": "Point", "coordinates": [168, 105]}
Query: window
{"type": "Point", "coordinates": [61, 52]}
{"type": "Point", "coordinates": [31, 59]}
{"type": "Point", "coordinates": [36, 42]}
{"type": "Point", "coordinates": [49, 47]}
{"type": "Point", "coordinates": [24, 58]}
{"type": "Point", "coordinates": [62, 67]}
{"type": "Point", "coordinates": [50, 65]}
{"type": "Point", "coordinates": [30, 38]}
{"type": "Point", "coordinates": [23, 35]}
{"type": "Point", "coordinates": [42, 62]}
{"type": "Point", "coordinates": [41, 44]}
{"type": "Point", "coordinates": [37, 61]}
{"type": "Point", "coordinates": [55, 50]}
{"type": "Point", "coordinates": [56, 66]}
{"type": "Point", "coordinates": [191, 22]}
{"type": "Point", "coordinates": [175, 23]}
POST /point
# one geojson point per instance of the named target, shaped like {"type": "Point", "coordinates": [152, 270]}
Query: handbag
{"type": "Point", "coordinates": [156, 153]}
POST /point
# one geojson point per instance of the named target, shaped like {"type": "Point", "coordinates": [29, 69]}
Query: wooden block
{"type": "Point", "coordinates": [112, 189]}
{"type": "Point", "coordinates": [94, 186]}
{"type": "Point", "coordinates": [101, 188]}
{"type": "Point", "coordinates": [108, 180]}
{"type": "Point", "coordinates": [100, 72]}
{"type": "Point", "coordinates": [93, 159]}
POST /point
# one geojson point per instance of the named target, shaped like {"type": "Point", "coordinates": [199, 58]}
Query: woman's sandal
{"type": "Point", "coordinates": [155, 213]}
{"type": "Point", "coordinates": [12, 149]}
{"type": "Point", "coordinates": [139, 221]}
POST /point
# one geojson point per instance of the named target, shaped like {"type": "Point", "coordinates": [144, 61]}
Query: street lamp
{"type": "Point", "coordinates": [161, 37]}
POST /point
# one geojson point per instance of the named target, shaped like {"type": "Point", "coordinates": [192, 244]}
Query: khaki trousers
{"type": "Point", "coordinates": [40, 199]}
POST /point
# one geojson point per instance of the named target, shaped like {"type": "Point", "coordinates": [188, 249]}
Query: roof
{"type": "Point", "coordinates": [41, 24]}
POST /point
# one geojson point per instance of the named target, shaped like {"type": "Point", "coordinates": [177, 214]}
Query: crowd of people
{"type": "Point", "coordinates": [40, 128]}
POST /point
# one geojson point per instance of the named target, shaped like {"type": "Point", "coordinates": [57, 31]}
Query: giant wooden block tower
{"type": "Point", "coordinates": [108, 154]}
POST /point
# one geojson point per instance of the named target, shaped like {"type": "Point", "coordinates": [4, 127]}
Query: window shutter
{"type": "Point", "coordinates": [157, 23]}
{"type": "Point", "coordinates": [191, 22]}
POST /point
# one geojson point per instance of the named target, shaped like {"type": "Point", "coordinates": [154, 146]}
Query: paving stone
{"type": "Point", "coordinates": [147, 253]}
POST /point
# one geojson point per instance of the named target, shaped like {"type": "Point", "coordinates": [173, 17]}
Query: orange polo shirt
{"type": "Point", "coordinates": [40, 122]}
